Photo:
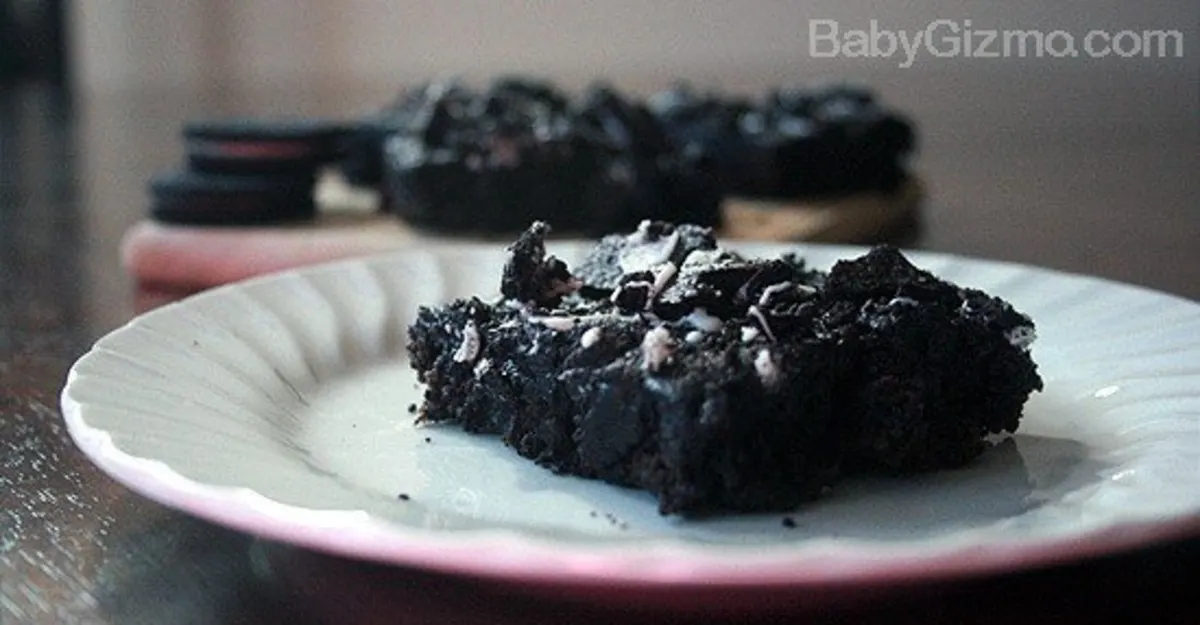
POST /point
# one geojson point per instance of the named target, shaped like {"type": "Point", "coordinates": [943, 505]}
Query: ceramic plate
{"type": "Point", "coordinates": [281, 406]}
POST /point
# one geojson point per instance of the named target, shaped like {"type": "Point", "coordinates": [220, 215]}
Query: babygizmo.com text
{"type": "Point", "coordinates": [945, 39]}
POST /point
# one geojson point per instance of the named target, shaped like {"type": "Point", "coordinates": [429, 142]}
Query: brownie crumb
{"type": "Point", "coordinates": [412, 408]}
{"type": "Point", "coordinates": [404, 497]}
{"type": "Point", "coordinates": [428, 440]}
{"type": "Point", "coordinates": [789, 522]}
{"type": "Point", "coordinates": [613, 520]}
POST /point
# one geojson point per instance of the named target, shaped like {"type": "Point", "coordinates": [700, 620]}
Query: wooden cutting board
{"type": "Point", "coordinates": [177, 259]}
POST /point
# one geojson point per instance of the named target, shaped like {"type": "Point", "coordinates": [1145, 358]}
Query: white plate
{"type": "Point", "coordinates": [280, 407]}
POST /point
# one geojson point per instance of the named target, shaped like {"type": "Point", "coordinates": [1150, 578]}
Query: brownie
{"type": "Point", "coordinates": [670, 183]}
{"type": "Point", "coordinates": [799, 142]}
{"type": "Point", "coordinates": [450, 158]}
{"type": "Point", "coordinates": [719, 382]}
{"type": "Point", "coordinates": [937, 367]}
{"type": "Point", "coordinates": [454, 159]}
{"type": "Point", "coordinates": [362, 146]}
{"type": "Point", "coordinates": [709, 124]}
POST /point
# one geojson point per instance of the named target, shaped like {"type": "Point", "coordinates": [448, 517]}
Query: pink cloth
{"type": "Point", "coordinates": [185, 259]}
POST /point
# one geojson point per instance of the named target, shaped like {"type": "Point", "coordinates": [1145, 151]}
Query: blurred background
{"type": "Point", "coordinates": [369, 48]}
{"type": "Point", "coordinates": [1017, 152]}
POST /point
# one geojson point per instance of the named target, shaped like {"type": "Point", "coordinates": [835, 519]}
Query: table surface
{"type": "Point", "coordinates": [75, 547]}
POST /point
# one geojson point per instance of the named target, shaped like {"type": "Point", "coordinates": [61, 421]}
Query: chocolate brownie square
{"type": "Point", "coordinates": [719, 382]}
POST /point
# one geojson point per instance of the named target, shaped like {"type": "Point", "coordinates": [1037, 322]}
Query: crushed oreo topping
{"type": "Point", "coordinates": [530, 276]}
{"type": "Point", "coordinates": [652, 245]}
{"type": "Point", "coordinates": [468, 349]}
{"type": "Point", "coordinates": [657, 347]}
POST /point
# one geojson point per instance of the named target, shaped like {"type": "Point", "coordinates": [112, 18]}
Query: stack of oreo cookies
{"type": "Point", "coordinates": [244, 171]}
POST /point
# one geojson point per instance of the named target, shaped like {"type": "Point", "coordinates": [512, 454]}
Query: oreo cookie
{"type": "Point", "coordinates": [197, 198]}
{"type": "Point", "coordinates": [256, 146]}
{"type": "Point", "coordinates": [361, 159]}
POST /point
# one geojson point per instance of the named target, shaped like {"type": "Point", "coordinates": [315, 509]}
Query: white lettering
{"type": "Point", "coordinates": [816, 37]}
{"type": "Point", "coordinates": [945, 38]}
{"type": "Point", "coordinates": [1020, 38]}
{"type": "Point", "coordinates": [985, 49]}
{"type": "Point", "coordinates": [1131, 49]}
{"type": "Point", "coordinates": [857, 44]}
{"type": "Point", "coordinates": [955, 42]}
{"type": "Point", "coordinates": [1067, 47]}
{"type": "Point", "coordinates": [1089, 45]}
{"type": "Point", "coordinates": [1154, 42]}
{"type": "Point", "coordinates": [882, 35]}
{"type": "Point", "coordinates": [911, 46]}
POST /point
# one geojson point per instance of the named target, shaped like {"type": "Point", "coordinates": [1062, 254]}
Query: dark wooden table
{"type": "Point", "coordinates": [1113, 194]}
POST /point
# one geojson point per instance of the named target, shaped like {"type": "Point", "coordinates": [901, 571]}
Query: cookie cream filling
{"type": "Point", "coordinates": [662, 275]}
{"type": "Point", "coordinates": [567, 323]}
{"type": "Point", "coordinates": [702, 321]}
{"type": "Point", "coordinates": [590, 337]}
{"type": "Point", "coordinates": [468, 349]}
{"type": "Point", "coordinates": [765, 367]}
{"type": "Point", "coordinates": [657, 348]}
{"type": "Point", "coordinates": [646, 254]}
{"type": "Point", "coordinates": [762, 321]}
